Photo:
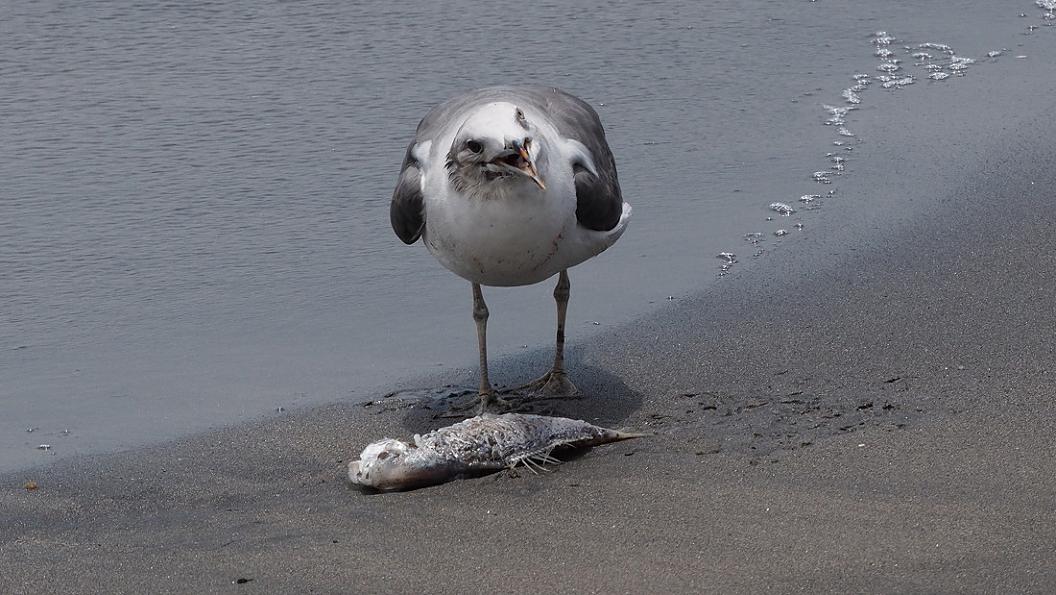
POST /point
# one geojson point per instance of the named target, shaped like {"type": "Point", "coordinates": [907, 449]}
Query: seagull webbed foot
{"type": "Point", "coordinates": [490, 402]}
{"type": "Point", "coordinates": [553, 384]}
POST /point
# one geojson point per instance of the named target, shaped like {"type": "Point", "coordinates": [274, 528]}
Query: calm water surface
{"type": "Point", "coordinates": [194, 199]}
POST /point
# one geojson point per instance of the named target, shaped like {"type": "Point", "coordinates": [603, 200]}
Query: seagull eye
{"type": "Point", "coordinates": [474, 146]}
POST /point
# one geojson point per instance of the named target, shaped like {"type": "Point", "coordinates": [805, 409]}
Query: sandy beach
{"type": "Point", "coordinates": [869, 410]}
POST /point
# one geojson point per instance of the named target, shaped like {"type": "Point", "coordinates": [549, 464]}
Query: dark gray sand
{"type": "Point", "coordinates": [872, 411]}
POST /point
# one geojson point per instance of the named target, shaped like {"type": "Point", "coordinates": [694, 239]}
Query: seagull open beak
{"type": "Point", "coordinates": [528, 167]}
{"type": "Point", "coordinates": [517, 161]}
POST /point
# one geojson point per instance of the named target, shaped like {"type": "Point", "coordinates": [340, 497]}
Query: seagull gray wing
{"type": "Point", "coordinates": [407, 210]}
{"type": "Point", "coordinates": [599, 202]}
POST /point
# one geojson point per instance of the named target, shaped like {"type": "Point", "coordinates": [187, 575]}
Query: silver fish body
{"type": "Point", "coordinates": [476, 445]}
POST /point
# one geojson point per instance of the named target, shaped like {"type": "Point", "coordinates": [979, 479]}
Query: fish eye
{"type": "Point", "coordinates": [474, 146]}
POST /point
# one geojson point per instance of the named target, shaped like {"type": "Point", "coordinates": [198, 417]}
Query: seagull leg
{"type": "Point", "coordinates": [558, 378]}
{"type": "Point", "coordinates": [555, 383]}
{"type": "Point", "coordinates": [488, 397]}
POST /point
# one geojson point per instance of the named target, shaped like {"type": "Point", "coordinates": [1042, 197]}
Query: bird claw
{"type": "Point", "coordinates": [490, 402]}
{"type": "Point", "coordinates": [550, 385]}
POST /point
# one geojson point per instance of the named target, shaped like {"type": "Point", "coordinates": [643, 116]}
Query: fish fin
{"type": "Point", "coordinates": [528, 465]}
{"type": "Point", "coordinates": [548, 458]}
{"type": "Point", "coordinates": [535, 463]}
{"type": "Point", "coordinates": [549, 461]}
{"type": "Point", "coordinates": [544, 460]}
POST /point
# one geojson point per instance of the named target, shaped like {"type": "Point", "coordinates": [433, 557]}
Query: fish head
{"type": "Point", "coordinates": [390, 464]}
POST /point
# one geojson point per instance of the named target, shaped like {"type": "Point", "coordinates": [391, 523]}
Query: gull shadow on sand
{"type": "Point", "coordinates": [602, 399]}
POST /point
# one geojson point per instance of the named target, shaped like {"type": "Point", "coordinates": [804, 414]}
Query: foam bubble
{"type": "Point", "coordinates": [959, 64]}
{"type": "Point", "coordinates": [728, 259]}
{"type": "Point", "coordinates": [782, 208]}
{"type": "Point", "coordinates": [939, 76]}
{"type": "Point", "coordinates": [942, 47]}
{"type": "Point", "coordinates": [898, 83]}
{"type": "Point", "coordinates": [881, 39]}
{"type": "Point", "coordinates": [836, 114]}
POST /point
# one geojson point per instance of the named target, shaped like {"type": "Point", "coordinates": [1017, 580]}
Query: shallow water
{"type": "Point", "coordinates": [194, 209]}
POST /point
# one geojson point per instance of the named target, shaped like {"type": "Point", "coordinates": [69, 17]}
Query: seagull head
{"type": "Point", "coordinates": [496, 145]}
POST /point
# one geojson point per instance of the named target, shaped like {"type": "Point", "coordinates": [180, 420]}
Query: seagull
{"type": "Point", "coordinates": [509, 186]}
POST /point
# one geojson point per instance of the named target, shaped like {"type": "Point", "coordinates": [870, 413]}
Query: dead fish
{"type": "Point", "coordinates": [472, 447]}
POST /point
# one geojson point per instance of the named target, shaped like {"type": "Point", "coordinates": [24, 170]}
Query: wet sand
{"type": "Point", "coordinates": [872, 411]}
